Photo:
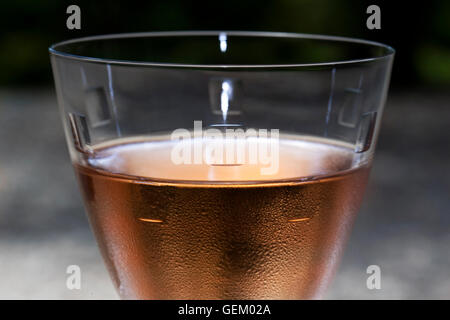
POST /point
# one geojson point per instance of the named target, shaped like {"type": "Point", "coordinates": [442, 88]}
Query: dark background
{"type": "Point", "coordinates": [419, 32]}
{"type": "Point", "coordinates": [403, 226]}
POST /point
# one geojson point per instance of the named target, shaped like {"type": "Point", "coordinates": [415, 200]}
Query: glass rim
{"type": "Point", "coordinates": [55, 51]}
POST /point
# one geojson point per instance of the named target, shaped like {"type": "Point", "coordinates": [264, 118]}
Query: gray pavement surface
{"type": "Point", "coordinates": [403, 226]}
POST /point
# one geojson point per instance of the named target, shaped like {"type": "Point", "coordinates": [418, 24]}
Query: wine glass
{"type": "Point", "coordinates": [221, 165]}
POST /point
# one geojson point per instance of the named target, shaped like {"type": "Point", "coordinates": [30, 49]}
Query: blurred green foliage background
{"type": "Point", "coordinates": [420, 33]}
